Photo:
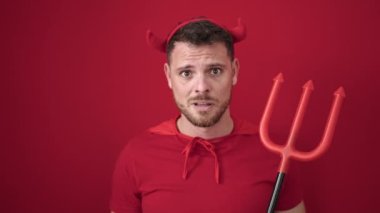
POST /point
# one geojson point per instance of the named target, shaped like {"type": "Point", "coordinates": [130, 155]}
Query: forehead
{"type": "Point", "coordinates": [187, 52]}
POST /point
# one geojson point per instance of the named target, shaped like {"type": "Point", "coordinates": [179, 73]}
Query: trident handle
{"type": "Point", "coordinates": [276, 192]}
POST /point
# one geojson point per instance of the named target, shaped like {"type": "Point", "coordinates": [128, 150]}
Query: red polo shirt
{"type": "Point", "coordinates": [164, 171]}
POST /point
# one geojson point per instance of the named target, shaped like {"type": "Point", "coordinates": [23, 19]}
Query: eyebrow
{"type": "Point", "coordinates": [185, 67]}
{"type": "Point", "coordinates": [217, 65]}
{"type": "Point", "coordinates": [209, 66]}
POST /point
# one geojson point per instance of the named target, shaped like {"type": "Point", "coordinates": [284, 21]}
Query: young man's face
{"type": "Point", "coordinates": [201, 78]}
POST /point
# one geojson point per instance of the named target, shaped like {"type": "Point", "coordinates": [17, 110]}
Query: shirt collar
{"type": "Point", "coordinates": [169, 127]}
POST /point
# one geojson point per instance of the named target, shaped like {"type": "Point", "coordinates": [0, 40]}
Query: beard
{"type": "Point", "coordinates": [204, 118]}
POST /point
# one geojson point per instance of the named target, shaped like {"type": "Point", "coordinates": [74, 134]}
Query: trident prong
{"type": "Point", "coordinates": [288, 151]}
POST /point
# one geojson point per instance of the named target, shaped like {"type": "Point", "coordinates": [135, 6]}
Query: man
{"type": "Point", "coordinates": [203, 161]}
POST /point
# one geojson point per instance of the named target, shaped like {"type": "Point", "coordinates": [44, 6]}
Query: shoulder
{"type": "Point", "coordinates": [244, 127]}
{"type": "Point", "coordinates": [155, 134]}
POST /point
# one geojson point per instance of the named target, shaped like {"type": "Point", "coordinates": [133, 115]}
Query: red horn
{"type": "Point", "coordinates": [239, 32]}
{"type": "Point", "coordinates": [155, 41]}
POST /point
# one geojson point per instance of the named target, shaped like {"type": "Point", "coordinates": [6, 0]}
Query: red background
{"type": "Point", "coordinates": [78, 81]}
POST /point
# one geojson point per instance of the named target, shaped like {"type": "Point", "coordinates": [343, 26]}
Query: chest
{"type": "Point", "coordinates": [246, 180]}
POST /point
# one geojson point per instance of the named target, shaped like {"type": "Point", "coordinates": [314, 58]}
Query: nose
{"type": "Point", "coordinates": [202, 84]}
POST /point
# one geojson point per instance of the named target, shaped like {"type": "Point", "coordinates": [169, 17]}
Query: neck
{"type": "Point", "coordinates": [222, 128]}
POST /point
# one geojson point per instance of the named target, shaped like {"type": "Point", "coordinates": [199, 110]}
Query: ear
{"type": "Point", "coordinates": [167, 74]}
{"type": "Point", "coordinates": [235, 70]}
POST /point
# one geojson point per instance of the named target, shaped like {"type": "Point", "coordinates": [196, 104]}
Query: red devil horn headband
{"type": "Point", "coordinates": [238, 33]}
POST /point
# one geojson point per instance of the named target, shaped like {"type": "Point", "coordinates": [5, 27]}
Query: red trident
{"type": "Point", "coordinates": [288, 151]}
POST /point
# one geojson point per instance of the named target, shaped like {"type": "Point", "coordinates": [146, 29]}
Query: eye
{"type": "Point", "coordinates": [215, 71]}
{"type": "Point", "coordinates": [185, 73]}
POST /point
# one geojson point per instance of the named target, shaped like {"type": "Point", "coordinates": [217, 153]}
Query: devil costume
{"type": "Point", "coordinates": [165, 171]}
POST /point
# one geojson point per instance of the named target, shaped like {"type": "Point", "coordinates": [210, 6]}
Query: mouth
{"type": "Point", "coordinates": [202, 105]}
